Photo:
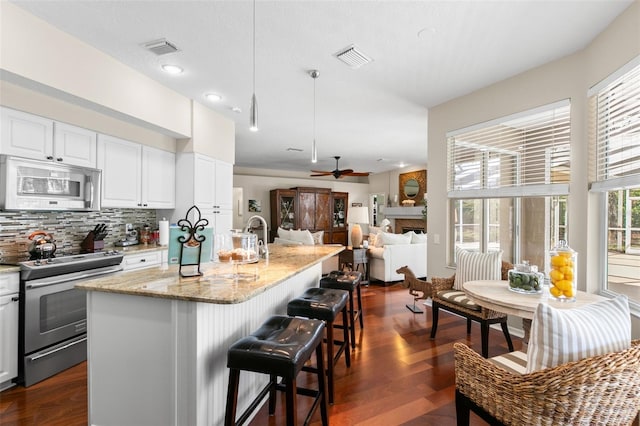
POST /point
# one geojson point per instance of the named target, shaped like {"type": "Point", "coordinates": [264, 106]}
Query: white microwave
{"type": "Point", "coordinates": [27, 184]}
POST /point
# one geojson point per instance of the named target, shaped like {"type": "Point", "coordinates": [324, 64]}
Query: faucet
{"type": "Point", "coordinates": [264, 250]}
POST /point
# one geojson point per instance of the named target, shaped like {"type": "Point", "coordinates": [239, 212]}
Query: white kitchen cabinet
{"type": "Point", "coordinates": [74, 145]}
{"type": "Point", "coordinates": [32, 136]}
{"type": "Point", "coordinates": [26, 135]}
{"type": "Point", "coordinates": [208, 184]}
{"type": "Point", "coordinates": [147, 259]}
{"type": "Point", "coordinates": [158, 178]}
{"type": "Point", "coordinates": [135, 176]}
{"type": "Point", "coordinates": [8, 328]}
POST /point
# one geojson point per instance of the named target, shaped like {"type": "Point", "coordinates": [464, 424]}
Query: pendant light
{"type": "Point", "coordinates": [314, 149]}
{"type": "Point", "coordinates": [253, 111]}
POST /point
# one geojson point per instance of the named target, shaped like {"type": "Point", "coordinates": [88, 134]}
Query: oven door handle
{"type": "Point", "coordinates": [61, 348]}
{"type": "Point", "coordinates": [43, 282]}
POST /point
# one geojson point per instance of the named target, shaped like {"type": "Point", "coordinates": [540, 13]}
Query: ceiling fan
{"type": "Point", "coordinates": [337, 173]}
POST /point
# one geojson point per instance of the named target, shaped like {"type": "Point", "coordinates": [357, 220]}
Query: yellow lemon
{"type": "Point", "coordinates": [555, 292]}
{"type": "Point", "coordinates": [563, 285]}
{"type": "Point", "coordinates": [565, 253]}
{"type": "Point", "coordinates": [555, 275]}
{"type": "Point", "coordinates": [558, 261]}
{"type": "Point", "coordinates": [568, 293]}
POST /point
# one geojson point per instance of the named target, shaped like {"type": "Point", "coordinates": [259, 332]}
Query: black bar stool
{"type": "Point", "coordinates": [324, 304]}
{"type": "Point", "coordinates": [348, 281]}
{"type": "Point", "coordinates": [279, 348]}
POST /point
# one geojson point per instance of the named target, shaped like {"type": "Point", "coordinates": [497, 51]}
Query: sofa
{"type": "Point", "coordinates": [388, 252]}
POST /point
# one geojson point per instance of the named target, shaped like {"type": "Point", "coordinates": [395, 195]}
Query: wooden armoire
{"type": "Point", "coordinates": [315, 209]}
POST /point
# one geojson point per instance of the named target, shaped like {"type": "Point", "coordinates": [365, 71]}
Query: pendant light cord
{"type": "Point", "coordinates": [254, 47]}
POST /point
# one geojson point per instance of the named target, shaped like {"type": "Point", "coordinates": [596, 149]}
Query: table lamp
{"type": "Point", "coordinates": [356, 216]}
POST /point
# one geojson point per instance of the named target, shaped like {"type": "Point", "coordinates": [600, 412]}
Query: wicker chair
{"type": "Point", "coordinates": [601, 390]}
{"type": "Point", "coordinates": [485, 317]}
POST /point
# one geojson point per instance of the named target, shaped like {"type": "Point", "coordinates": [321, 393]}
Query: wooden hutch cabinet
{"type": "Point", "coordinates": [339, 206]}
{"type": "Point", "coordinates": [315, 209]}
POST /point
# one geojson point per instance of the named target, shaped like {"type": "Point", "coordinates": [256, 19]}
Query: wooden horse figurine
{"type": "Point", "coordinates": [416, 286]}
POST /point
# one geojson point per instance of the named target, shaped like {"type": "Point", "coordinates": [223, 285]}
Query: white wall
{"type": "Point", "coordinates": [34, 102]}
{"type": "Point", "coordinates": [36, 51]}
{"type": "Point", "coordinates": [257, 187]}
{"type": "Point", "coordinates": [212, 134]}
{"type": "Point", "coordinates": [566, 78]}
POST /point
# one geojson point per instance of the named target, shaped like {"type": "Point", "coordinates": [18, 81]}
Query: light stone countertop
{"type": "Point", "coordinates": [138, 248]}
{"type": "Point", "coordinates": [216, 284]}
{"type": "Point", "coordinates": [7, 269]}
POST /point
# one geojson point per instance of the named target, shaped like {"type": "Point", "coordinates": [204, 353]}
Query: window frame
{"type": "Point", "coordinates": [515, 190]}
{"type": "Point", "coordinates": [601, 187]}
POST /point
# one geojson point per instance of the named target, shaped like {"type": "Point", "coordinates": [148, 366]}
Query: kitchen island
{"type": "Point", "coordinates": [157, 342]}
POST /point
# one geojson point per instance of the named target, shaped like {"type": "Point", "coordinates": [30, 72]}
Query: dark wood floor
{"type": "Point", "coordinates": [398, 376]}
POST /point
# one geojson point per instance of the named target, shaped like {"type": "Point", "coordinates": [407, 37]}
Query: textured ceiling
{"type": "Point", "coordinates": [375, 117]}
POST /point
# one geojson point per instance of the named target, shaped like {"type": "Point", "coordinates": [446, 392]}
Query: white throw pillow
{"type": "Point", "coordinates": [304, 236]}
{"type": "Point", "coordinates": [284, 233]}
{"type": "Point", "coordinates": [559, 336]}
{"type": "Point", "coordinates": [372, 240]}
{"type": "Point", "coordinates": [318, 237]}
{"type": "Point", "coordinates": [379, 240]}
{"type": "Point", "coordinates": [471, 266]}
{"type": "Point", "coordinates": [418, 238]}
{"type": "Point", "coordinates": [286, 242]}
{"type": "Point", "coordinates": [394, 239]}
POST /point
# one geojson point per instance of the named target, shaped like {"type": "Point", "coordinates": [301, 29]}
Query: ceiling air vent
{"type": "Point", "coordinates": [353, 57]}
{"type": "Point", "coordinates": [161, 47]}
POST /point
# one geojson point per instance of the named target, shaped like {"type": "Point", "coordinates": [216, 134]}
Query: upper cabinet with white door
{"type": "Point", "coordinates": [135, 176]}
{"type": "Point", "coordinates": [208, 184]}
{"type": "Point", "coordinates": [74, 145]}
{"type": "Point", "coordinates": [158, 178]}
{"type": "Point", "coordinates": [32, 136]}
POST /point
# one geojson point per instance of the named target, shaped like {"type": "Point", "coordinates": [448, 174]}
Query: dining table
{"type": "Point", "coordinates": [496, 295]}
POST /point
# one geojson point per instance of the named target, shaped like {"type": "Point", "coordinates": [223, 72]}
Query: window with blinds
{"type": "Point", "coordinates": [527, 154]}
{"type": "Point", "coordinates": [614, 136]}
{"type": "Point", "coordinates": [615, 106]}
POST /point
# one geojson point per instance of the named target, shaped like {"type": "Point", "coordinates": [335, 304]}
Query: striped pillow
{"type": "Point", "coordinates": [559, 336]}
{"type": "Point", "coordinates": [472, 266]}
{"type": "Point", "coordinates": [460, 298]}
{"type": "Point", "coordinates": [514, 362]}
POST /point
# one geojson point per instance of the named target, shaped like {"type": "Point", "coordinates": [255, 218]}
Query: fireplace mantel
{"type": "Point", "coordinates": [403, 212]}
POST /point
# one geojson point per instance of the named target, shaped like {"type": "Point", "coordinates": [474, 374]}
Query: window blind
{"type": "Point", "coordinates": [615, 110]}
{"type": "Point", "coordinates": [527, 154]}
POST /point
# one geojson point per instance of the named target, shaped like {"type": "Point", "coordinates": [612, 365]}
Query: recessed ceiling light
{"type": "Point", "coordinates": [236, 110]}
{"type": "Point", "coordinates": [172, 69]}
{"type": "Point", "coordinates": [213, 97]}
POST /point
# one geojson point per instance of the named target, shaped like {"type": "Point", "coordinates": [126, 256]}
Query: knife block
{"type": "Point", "coordinates": [89, 245]}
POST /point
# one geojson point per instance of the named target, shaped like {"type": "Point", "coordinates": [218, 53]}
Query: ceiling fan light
{"type": "Point", "coordinates": [253, 114]}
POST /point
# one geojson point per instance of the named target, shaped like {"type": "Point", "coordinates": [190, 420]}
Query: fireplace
{"type": "Point", "coordinates": [406, 225]}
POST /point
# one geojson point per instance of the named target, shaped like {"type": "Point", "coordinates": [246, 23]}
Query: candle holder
{"type": "Point", "coordinates": [192, 240]}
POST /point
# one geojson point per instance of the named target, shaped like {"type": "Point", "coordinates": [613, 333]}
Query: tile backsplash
{"type": "Point", "coordinates": [68, 228]}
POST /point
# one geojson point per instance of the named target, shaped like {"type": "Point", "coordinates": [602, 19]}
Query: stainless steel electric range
{"type": "Point", "coordinates": [53, 314]}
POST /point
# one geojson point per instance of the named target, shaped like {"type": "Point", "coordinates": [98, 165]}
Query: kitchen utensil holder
{"type": "Point", "coordinates": [192, 241]}
{"type": "Point", "coordinates": [91, 245]}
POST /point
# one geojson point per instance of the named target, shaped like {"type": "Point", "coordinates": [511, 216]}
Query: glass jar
{"type": "Point", "coordinates": [563, 267]}
{"type": "Point", "coordinates": [525, 278]}
{"type": "Point", "coordinates": [145, 234]}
